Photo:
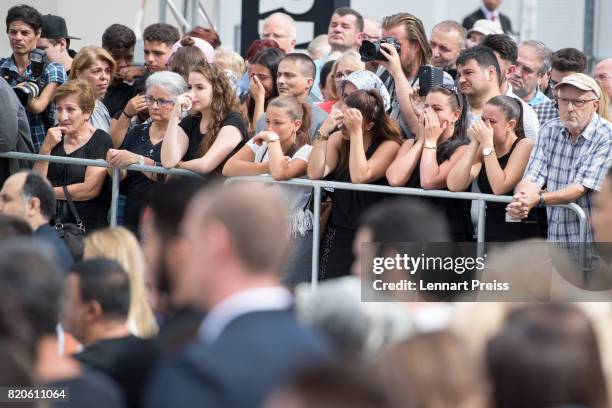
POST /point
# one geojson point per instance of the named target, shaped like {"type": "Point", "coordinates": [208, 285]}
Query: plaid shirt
{"type": "Point", "coordinates": [546, 111]}
{"type": "Point", "coordinates": [39, 122]}
{"type": "Point", "coordinates": [559, 163]}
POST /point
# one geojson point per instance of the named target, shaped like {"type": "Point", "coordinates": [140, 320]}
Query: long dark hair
{"type": "Point", "coordinates": [513, 109]}
{"type": "Point", "coordinates": [296, 110]}
{"type": "Point", "coordinates": [223, 102]}
{"type": "Point", "coordinates": [372, 108]}
{"type": "Point", "coordinates": [457, 101]}
{"type": "Point", "coordinates": [268, 58]}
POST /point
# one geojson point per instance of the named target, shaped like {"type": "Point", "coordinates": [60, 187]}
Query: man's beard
{"type": "Point", "coordinates": [407, 68]}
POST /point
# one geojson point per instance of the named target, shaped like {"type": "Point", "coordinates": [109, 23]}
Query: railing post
{"type": "Point", "coordinates": [316, 225]}
{"type": "Point", "coordinates": [482, 219]}
{"type": "Point", "coordinates": [582, 228]}
{"type": "Point", "coordinates": [114, 196]}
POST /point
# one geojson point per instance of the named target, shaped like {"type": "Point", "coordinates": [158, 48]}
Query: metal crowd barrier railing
{"type": "Point", "coordinates": [316, 185]}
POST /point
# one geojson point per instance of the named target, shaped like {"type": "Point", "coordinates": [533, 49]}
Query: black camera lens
{"type": "Point", "coordinates": [369, 50]}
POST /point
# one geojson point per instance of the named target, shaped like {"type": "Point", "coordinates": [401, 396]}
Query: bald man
{"type": "Point", "coordinates": [603, 74]}
{"type": "Point", "coordinates": [281, 28]}
{"type": "Point", "coordinates": [237, 243]}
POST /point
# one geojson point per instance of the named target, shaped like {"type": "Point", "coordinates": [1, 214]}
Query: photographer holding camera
{"type": "Point", "coordinates": [33, 79]}
{"type": "Point", "coordinates": [401, 51]}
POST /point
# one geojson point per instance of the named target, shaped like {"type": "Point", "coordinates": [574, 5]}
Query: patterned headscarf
{"type": "Point", "coordinates": [365, 81]}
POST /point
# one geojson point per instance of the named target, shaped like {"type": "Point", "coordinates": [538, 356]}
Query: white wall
{"type": "Point", "coordinates": [560, 22]}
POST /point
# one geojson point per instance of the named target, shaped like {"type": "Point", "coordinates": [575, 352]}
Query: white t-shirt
{"type": "Point", "coordinates": [531, 123]}
{"type": "Point", "coordinates": [296, 197]}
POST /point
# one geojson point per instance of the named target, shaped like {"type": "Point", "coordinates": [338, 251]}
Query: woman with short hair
{"type": "Point", "coordinates": [74, 136]}
{"type": "Point", "coordinates": [143, 143]}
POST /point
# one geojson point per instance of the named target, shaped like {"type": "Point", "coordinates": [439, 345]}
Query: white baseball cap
{"type": "Point", "coordinates": [486, 27]}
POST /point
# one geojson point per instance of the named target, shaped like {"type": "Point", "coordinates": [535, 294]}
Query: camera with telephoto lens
{"type": "Point", "coordinates": [370, 50]}
{"type": "Point", "coordinates": [27, 88]}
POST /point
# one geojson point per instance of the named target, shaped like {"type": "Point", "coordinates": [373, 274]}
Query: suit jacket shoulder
{"type": "Point", "coordinates": [469, 20]}
{"type": "Point", "coordinates": [252, 356]}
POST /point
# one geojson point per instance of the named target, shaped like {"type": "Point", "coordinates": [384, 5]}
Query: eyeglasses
{"type": "Point", "coordinates": [160, 102]}
{"type": "Point", "coordinates": [577, 103]}
{"type": "Point", "coordinates": [341, 75]}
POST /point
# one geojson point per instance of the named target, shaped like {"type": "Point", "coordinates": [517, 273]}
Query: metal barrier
{"type": "Point", "coordinates": [316, 185]}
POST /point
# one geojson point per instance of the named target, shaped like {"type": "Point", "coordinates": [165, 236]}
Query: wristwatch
{"type": "Point", "coordinates": [541, 203]}
{"type": "Point", "coordinates": [321, 136]}
{"type": "Point", "coordinates": [487, 151]}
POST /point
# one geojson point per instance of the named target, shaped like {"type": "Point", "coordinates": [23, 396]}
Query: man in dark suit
{"type": "Point", "coordinates": [14, 132]}
{"type": "Point", "coordinates": [249, 342]}
{"type": "Point", "coordinates": [488, 11]}
{"type": "Point", "coordinates": [29, 196]}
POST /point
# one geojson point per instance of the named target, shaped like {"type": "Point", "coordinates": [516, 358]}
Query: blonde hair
{"type": "Point", "coordinates": [354, 60]}
{"type": "Point", "coordinates": [230, 60]}
{"type": "Point", "coordinates": [119, 244]}
{"type": "Point", "coordinates": [87, 56]}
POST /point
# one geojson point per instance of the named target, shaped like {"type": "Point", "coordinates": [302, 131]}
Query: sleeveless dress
{"type": "Point", "coordinates": [347, 207]}
{"type": "Point", "coordinates": [457, 212]}
{"type": "Point", "coordinates": [496, 227]}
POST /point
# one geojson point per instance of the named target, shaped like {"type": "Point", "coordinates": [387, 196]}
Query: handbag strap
{"type": "Point", "coordinates": [73, 209]}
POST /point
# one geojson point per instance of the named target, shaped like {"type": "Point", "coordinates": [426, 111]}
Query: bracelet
{"type": "Point", "coordinates": [272, 138]}
{"type": "Point", "coordinates": [126, 115]}
{"type": "Point", "coordinates": [320, 136]}
{"type": "Point", "coordinates": [432, 147]}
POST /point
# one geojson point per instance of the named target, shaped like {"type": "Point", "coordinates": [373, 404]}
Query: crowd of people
{"type": "Point", "coordinates": [199, 296]}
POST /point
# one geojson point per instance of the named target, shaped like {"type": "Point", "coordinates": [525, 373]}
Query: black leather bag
{"type": "Point", "coordinates": [72, 234]}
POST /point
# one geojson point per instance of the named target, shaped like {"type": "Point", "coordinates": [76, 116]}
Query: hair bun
{"type": "Point", "coordinates": [187, 41]}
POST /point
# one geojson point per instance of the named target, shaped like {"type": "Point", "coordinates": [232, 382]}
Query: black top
{"type": "Point", "coordinates": [191, 126]}
{"type": "Point", "coordinates": [92, 390]}
{"type": "Point", "coordinates": [117, 96]}
{"type": "Point", "coordinates": [496, 227]}
{"type": "Point", "coordinates": [92, 212]}
{"type": "Point", "coordinates": [117, 359]}
{"type": "Point", "coordinates": [348, 205]}
{"type": "Point", "coordinates": [457, 211]}
{"type": "Point", "coordinates": [136, 186]}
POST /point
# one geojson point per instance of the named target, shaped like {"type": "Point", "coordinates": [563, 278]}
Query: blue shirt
{"type": "Point", "coordinates": [559, 163]}
{"type": "Point", "coordinates": [538, 99]}
{"type": "Point", "coordinates": [39, 122]}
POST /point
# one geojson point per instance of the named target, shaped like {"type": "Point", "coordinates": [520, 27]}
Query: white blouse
{"type": "Point", "coordinates": [296, 197]}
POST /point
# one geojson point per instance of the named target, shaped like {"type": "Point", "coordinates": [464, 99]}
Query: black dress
{"type": "Point", "coordinates": [457, 212]}
{"type": "Point", "coordinates": [496, 227]}
{"type": "Point", "coordinates": [191, 126]}
{"type": "Point", "coordinates": [347, 207]}
{"type": "Point", "coordinates": [94, 212]}
{"type": "Point", "coordinates": [136, 187]}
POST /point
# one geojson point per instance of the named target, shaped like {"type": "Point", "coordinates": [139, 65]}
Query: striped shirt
{"type": "Point", "coordinates": [560, 163]}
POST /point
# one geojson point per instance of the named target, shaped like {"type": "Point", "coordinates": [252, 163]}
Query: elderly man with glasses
{"type": "Point", "coordinates": [572, 157]}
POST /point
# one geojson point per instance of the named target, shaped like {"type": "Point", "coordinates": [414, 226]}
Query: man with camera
{"type": "Point", "coordinates": [32, 77]}
{"type": "Point", "coordinates": [401, 52]}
